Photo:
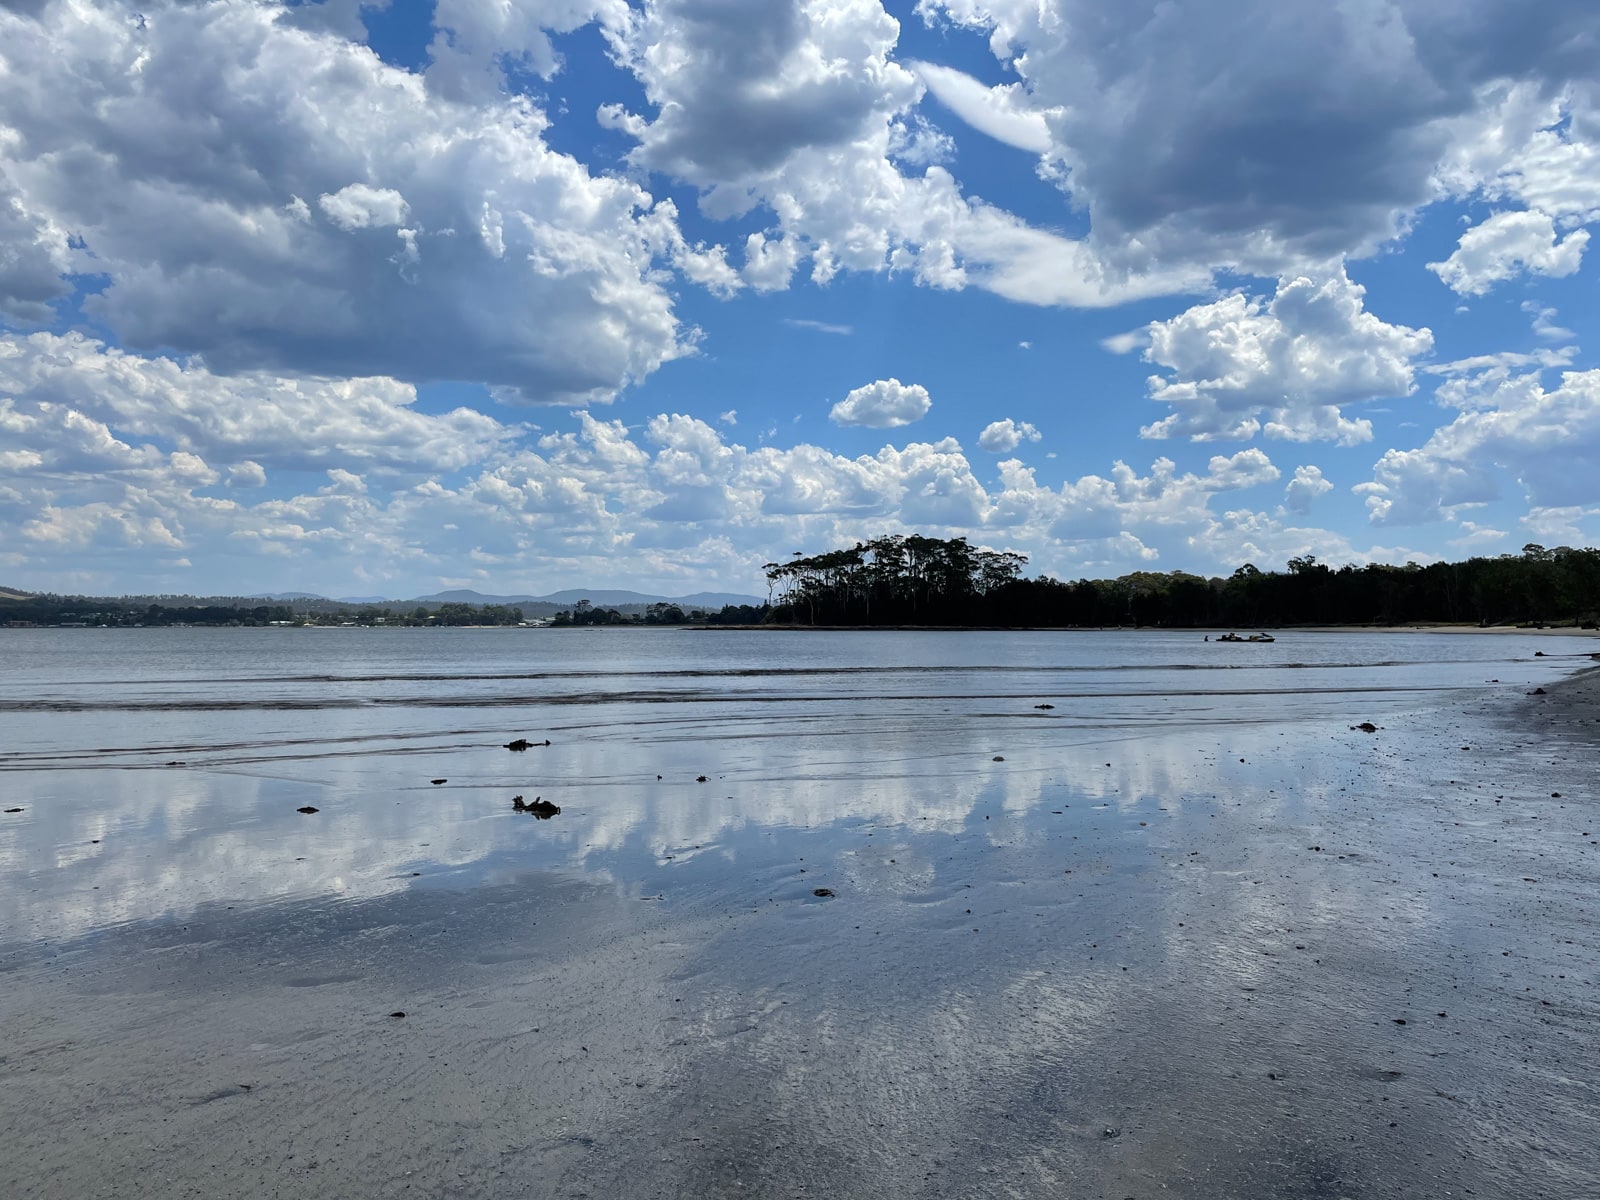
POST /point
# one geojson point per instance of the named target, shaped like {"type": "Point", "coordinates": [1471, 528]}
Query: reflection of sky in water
{"type": "Point", "coordinates": [859, 740]}
{"type": "Point", "coordinates": [1108, 964]}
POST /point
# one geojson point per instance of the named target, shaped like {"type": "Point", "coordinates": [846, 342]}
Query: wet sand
{"type": "Point", "coordinates": [1296, 961]}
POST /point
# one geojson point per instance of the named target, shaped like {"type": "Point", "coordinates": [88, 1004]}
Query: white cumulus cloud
{"type": "Point", "coordinates": [358, 206]}
{"type": "Point", "coordinates": [515, 266]}
{"type": "Point", "coordinates": [1308, 483]}
{"type": "Point", "coordinates": [1547, 439]}
{"type": "Point", "coordinates": [242, 421]}
{"type": "Point", "coordinates": [1533, 143]}
{"type": "Point", "coordinates": [1284, 366]}
{"type": "Point", "coordinates": [1507, 244]}
{"type": "Point", "coordinates": [475, 41]}
{"type": "Point", "coordinates": [247, 473]}
{"type": "Point", "coordinates": [882, 405]}
{"type": "Point", "coordinates": [798, 107]}
{"type": "Point", "coordinates": [1004, 436]}
{"type": "Point", "coordinates": [668, 507]}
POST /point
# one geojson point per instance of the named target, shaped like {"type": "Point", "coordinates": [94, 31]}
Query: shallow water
{"type": "Point", "coordinates": [1152, 939]}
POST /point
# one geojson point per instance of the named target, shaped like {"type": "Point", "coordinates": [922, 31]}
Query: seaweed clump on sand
{"type": "Point", "coordinates": [539, 807]}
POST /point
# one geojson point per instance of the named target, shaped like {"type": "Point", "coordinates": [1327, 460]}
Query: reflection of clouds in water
{"type": "Point", "coordinates": [171, 839]}
{"type": "Point", "coordinates": [1018, 956]}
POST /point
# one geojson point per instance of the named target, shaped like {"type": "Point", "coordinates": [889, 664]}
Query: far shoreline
{"type": "Point", "coordinates": [1206, 630]}
{"type": "Point", "coordinates": [1209, 632]}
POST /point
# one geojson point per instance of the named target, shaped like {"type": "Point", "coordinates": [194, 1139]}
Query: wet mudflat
{"type": "Point", "coordinates": [1186, 933]}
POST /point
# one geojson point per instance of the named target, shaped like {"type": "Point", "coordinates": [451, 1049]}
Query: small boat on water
{"type": "Point", "coordinates": [1254, 637]}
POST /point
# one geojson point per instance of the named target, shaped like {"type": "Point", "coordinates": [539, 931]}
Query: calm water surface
{"type": "Point", "coordinates": [1107, 914]}
{"type": "Point", "coordinates": [176, 749]}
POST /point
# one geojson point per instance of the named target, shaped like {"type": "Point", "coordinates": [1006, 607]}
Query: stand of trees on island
{"type": "Point", "coordinates": [913, 580]}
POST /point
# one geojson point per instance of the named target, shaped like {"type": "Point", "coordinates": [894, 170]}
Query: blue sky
{"type": "Point", "coordinates": [518, 296]}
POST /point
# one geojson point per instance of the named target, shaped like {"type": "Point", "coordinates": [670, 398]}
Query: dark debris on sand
{"type": "Point", "coordinates": [540, 807]}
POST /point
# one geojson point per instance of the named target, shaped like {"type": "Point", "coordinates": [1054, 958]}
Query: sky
{"type": "Point", "coordinates": [520, 295]}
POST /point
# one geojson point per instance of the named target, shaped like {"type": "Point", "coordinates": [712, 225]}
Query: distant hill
{"type": "Point", "coordinates": [9, 594]}
{"type": "Point", "coordinates": [718, 599]}
{"type": "Point", "coordinates": [468, 596]}
{"type": "Point", "coordinates": [599, 597]}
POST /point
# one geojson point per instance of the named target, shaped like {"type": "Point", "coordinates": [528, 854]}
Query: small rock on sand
{"type": "Point", "coordinates": [437, 782]}
{"type": "Point", "coordinates": [307, 809]}
{"type": "Point", "coordinates": [825, 892]}
{"type": "Point", "coordinates": [12, 810]}
{"type": "Point", "coordinates": [1366, 727]}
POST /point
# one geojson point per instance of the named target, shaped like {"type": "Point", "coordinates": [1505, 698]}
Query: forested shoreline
{"type": "Point", "coordinates": [927, 581]}
{"type": "Point", "coordinates": [142, 612]}
{"type": "Point", "coordinates": [919, 581]}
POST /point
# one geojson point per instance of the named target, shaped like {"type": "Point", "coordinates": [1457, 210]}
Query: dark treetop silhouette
{"type": "Point", "coordinates": [925, 581]}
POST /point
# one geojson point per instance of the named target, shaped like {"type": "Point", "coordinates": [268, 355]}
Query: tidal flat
{"type": "Point", "coordinates": [898, 914]}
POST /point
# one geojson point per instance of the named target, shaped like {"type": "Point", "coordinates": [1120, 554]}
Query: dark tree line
{"type": "Point", "coordinates": [915, 580]}
{"type": "Point", "coordinates": [126, 612]}
{"type": "Point", "coordinates": [584, 613]}
{"type": "Point", "coordinates": [457, 614]}
{"type": "Point", "coordinates": [924, 581]}
{"type": "Point", "coordinates": [895, 580]}
{"type": "Point", "coordinates": [661, 613]}
{"type": "Point", "coordinates": [79, 610]}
